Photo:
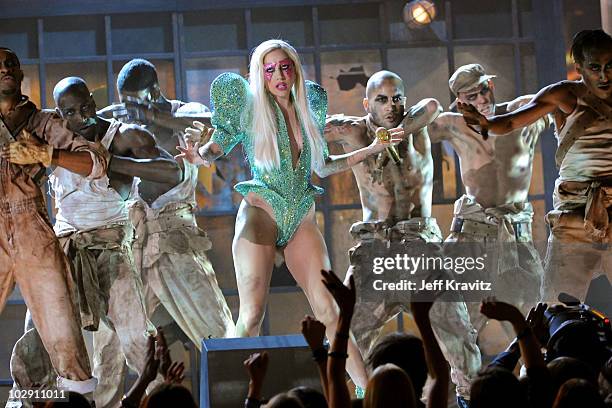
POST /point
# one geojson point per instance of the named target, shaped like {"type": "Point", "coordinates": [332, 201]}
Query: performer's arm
{"type": "Point", "coordinates": [338, 163]}
{"type": "Point", "coordinates": [443, 127]}
{"type": "Point", "coordinates": [421, 115]}
{"type": "Point", "coordinates": [176, 122]}
{"type": "Point", "coordinates": [549, 99]}
{"type": "Point", "coordinates": [343, 129]}
{"type": "Point", "coordinates": [146, 160]}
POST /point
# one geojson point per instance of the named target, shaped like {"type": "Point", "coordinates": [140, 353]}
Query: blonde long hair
{"type": "Point", "coordinates": [263, 128]}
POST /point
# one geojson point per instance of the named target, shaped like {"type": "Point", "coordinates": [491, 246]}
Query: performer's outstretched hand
{"type": "Point", "coordinates": [191, 154]}
{"type": "Point", "coordinates": [199, 133]}
{"type": "Point", "coordinates": [474, 118]}
{"type": "Point", "coordinates": [387, 138]}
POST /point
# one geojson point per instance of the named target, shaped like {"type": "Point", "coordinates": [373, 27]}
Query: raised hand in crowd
{"type": "Point", "coordinates": [529, 345]}
{"type": "Point", "coordinates": [337, 392]}
{"type": "Point", "coordinates": [257, 366]}
{"type": "Point", "coordinates": [436, 363]}
{"type": "Point", "coordinates": [314, 333]}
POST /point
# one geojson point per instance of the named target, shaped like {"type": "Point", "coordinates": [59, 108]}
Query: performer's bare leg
{"type": "Point", "coordinates": [254, 249]}
{"type": "Point", "coordinates": [306, 254]}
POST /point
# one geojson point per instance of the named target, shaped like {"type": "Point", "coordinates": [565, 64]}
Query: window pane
{"type": "Point", "coordinates": [74, 37]}
{"type": "Point", "coordinates": [443, 213]}
{"type": "Point", "coordinates": [293, 24]}
{"type": "Point", "coordinates": [165, 75]}
{"type": "Point", "coordinates": [141, 33]}
{"type": "Point", "coordinates": [480, 19]}
{"type": "Point", "coordinates": [341, 221]}
{"type": "Point", "coordinates": [525, 17]}
{"type": "Point", "coordinates": [21, 36]}
{"type": "Point", "coordinates": [30, 85]}
{"type": "Point", "coordinates": [422, 80]}
{"type": "Point", "coordinates": [579, 15]}
{"type": "Point", "coordinates": [539, 230]}
{"type": "Point", "coordinates": [344, 75]}
{"type": "Point", "coordinates": [529, 72]}
{"type": "Point", "coordinates": [400, 31]}
{"type": "Point", "coordinates": [349, 24]}
{"type": "Point", "coordinates": [214, 30]}
{"type": "Point", "coordinates": [496, 60]}
{"type": "Point", "coordinates": [200, 72]}
{"type": "Point", "coordinates": [450, 171]}
{"type": "Point", "coordinates": [94, 73]}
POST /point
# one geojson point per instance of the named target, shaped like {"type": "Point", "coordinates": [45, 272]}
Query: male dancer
{"type": "Point", "coordinates": [579, 224]}
{"type": "Point", "coordinates": [494, 213]}
{"type": "Point", "coordinates": [30, 254]}
{"type": "Point", "coordinates": [170, 249]}
{"type": "Point", "coordinates": [93, 228]}
{"type": "Point", "coordinates": [396, 198]}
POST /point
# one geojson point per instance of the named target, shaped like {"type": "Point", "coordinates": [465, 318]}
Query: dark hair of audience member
{"type": "Point", "coordinates": [562, 369]}
{"type": "Point", "coordinates": [389, 387]}
{"type": "Point", "coordinates": [75, 400]}
{"type": "Point", "coordinates": [284, 400]}
{"type": "Point", "coordinates": [496, 387]}
{"type": "Point", "coordinates": [309, 397]}
{"type": "Point", "coordinates": [578, 393]}
{"type": "Point", "coordinates": [169, 395]}
{"type": "Point", "coordinates": [405, 351]}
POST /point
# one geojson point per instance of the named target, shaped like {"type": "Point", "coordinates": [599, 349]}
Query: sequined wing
{"type": "Point", "coordinates": [229, 98]}
{"type": "Point", "coordinates": [317, 99]}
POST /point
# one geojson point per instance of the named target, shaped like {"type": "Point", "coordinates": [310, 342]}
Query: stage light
{"type": "Point", "coordinates": [419, 13]}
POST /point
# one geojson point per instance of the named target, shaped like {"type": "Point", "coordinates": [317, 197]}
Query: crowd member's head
{"type": "Point", "coordinates": [562, 369]}
{"type": "Point", "coordinates": [169, 395]}
{"type": "Point", "coordinates": [76, 105]}
{"type": "Point", "coordinates": [309, 397]}
{"type": "Point", "coordinates": [578, 393]}
{"type": "Point", "coordinates": [275, 70]}
{"type": "Point", "coordinates": [496, 387]}
{"type": "Point", "coordinates": [405, 351]}
{"type": "Point", "coordinates": [11, 74]}
{"type": "Point", "coordinates": [592, 53]}
{"type": "Point", "coordinates": [473, 86]}
{"type": "Point", "coordinates": [385, 101]}
{"type": "Point", "coordinates": [389, 387]}
{"type": "Point", "coordinates": [75, 400]}
{"type": "Point", "coordinates": [284, 400]}
{"type": "Point", "coordinates": [138, 80]}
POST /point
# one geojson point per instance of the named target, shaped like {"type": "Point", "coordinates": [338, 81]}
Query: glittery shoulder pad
{"type": "Point", "coordinates": [229, 97]}
{"type": "Point", "coordinates": [317, 99]}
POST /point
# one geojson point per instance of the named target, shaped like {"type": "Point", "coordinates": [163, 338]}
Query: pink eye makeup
{"type": "Point", "coordinates": [285, 65]}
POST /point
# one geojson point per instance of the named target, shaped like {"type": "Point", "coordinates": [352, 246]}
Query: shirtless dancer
{"type": "Point", "coordinates": [578, 246]}
{"type": "Point", "coordinates": [396, 202]}
{"type": "Point", "coordinates": [30, 254]}
{"type": "Point", "coordinates": [170, 250]}
{"type": "Point", "coordinates": [93, 228]}
{"type": "Point", "coordinates": [494, 214]}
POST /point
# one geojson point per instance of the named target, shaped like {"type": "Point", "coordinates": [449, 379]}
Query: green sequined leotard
{"type": "Point", "coordinates": [287, 190]}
